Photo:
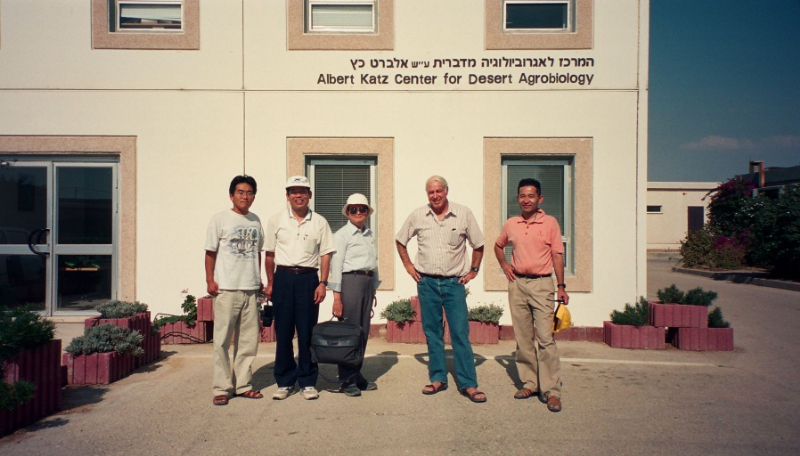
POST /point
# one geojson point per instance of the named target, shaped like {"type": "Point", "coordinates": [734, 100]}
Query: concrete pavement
{"type": "Point", "coordinates": [615, 401]}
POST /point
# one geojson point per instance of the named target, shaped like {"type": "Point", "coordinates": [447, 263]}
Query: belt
{"type": "Point", "coordinates": [296, 269]}
{"type": "Point", "coordinates": [434, 276]}
{"type": "Point", "coordinates": [532, 276]}
{"type": "Point", "coordinates": [365, 273]}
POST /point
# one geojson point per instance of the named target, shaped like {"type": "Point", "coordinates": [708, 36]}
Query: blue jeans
{"type": "Point", "coordinates": [448, 294]}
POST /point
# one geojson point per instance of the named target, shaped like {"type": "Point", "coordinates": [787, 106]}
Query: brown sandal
{"type": "Point", "coordinates": [433, 389]}
{"type": "Point", "coordinates": [222, 399]}
{"type": "Point", "coordinates": [553, 404]}
{"type": "Point", "coordinates": [524, 393]}
{"type": "Point", "coordinates": [252, 394]}
{"type": "Point", "coordinates": [473, 396]}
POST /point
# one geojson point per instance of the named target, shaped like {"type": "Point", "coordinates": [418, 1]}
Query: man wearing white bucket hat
{"type": "Point", "coordinates": [354, 279]}
{"type": "Point", "coordinates": [298, 244]}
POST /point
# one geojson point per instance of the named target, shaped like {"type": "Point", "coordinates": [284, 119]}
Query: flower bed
{"type": "Point", "coordinates": [634, 337]}
{"type": "Point", "coordinates": [42, 367]}
{"type": "Point", "coordinates": [139, 322]}
{"type": "Point", "coordinates": [702, 339]}
{"type": "Point", "coordinates": [98, 368]}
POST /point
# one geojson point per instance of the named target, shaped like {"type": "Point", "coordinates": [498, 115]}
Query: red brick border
{"type": "Point", "coordinates": [42, 367]}
{"type": "Point", "coordinates": [702, 339]}
{"type": "Point", "coordinates": [678, 315]}
{"type": "Point", "coordinates": [406, 333]}
{"type": "Point", "coordinates": [205, 309]}
{"type": "Point", "coordinates": [642, 337]}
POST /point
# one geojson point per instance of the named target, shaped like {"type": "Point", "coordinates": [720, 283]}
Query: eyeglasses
{"type": "Point", "coordinates": [242, 192]}
{"type": "Point", "coordinates": [353, 210]}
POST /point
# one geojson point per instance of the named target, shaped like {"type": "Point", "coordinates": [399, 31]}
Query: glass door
{"type": "Point", "coordinates": [58, 234]}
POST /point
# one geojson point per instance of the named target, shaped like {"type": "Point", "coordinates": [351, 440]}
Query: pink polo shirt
{"type": "Point", "coordinates": [533, 242]}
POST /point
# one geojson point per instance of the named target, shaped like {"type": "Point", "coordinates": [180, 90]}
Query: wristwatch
{"type": "Point", "coordinates": [475, 270]}
{"type": "Point", "coordinates": [562, 285]}
{"type": "Point", "coordinates": [324, 282]}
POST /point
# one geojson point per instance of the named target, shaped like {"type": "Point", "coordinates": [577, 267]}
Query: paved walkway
{"type": "Point", "coordinates": [615, 401]}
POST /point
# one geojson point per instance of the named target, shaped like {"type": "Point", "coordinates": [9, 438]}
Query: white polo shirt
{"type": "Point", "coordinates": [298, 244]}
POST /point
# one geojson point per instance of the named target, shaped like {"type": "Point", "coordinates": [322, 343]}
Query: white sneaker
{"type": "Point", "coordinates": [282, 393]}
{"type": "Point", "coordinates": [310, 393]}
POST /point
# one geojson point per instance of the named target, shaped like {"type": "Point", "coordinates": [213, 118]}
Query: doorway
{"type": "Point", "coordinates": [58, 233]}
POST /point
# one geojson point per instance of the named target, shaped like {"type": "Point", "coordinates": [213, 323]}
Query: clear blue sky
{"type": "Point", "coordinates": [724, 87]}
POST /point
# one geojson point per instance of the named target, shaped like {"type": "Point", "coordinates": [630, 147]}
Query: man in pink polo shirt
{"type": "Point", "coordinates": [536, 252]}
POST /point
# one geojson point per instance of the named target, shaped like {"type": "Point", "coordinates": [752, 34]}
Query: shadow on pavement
{"type": "Point", "coordinates": [264, 377]}
{"type": "Point", "coordinates": [80, 396]}
{"type": "Point", "coordinates": [511, 368]}
{"type": "Point", "coordinates": [450, 363]}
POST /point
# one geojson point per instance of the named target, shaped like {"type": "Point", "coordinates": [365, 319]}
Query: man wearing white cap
{"type": "Point", "coordinates": [298, 244]}
{"type": "Point", "coordinates": [354, 279]}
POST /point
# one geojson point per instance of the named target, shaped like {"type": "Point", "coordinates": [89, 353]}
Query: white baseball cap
{"type": "Point", "coordinates": [298, 181]}
{"type": "Point", "coordinates": [357, 199]}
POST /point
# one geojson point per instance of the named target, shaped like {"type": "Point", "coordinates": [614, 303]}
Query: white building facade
{"type": "Point", "coordinates": [122, 124]}
{"type": "Point", "coordinates": [673, 210]}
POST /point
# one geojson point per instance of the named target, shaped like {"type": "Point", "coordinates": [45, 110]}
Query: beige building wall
{"type": "Point", "coordinates": [667, 227]}
{"type": "Point", "coordinates": [202, 116]}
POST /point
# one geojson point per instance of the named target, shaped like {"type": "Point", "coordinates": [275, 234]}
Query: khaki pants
{"type": "Point", "coordinates": [537, 355]}
{"type": "Point", "coordinates": [234, 312]}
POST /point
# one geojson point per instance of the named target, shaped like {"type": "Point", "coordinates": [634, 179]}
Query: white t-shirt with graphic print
{"type": "Point", "coordinates": [237, 239]}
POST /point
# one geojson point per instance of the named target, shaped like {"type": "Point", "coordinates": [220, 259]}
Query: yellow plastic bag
{"type": "Point", "coordinates": [563, 319]}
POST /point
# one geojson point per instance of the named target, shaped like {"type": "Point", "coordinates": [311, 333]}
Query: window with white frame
{"type": "Point", "coordinates": [145, 16]}
{"type": "Point", "coordinates": [556, 178]}
{"type": "Point", "coordinates": [345, 16]}
{"type": "Point", "coordinates": [334, 179]}
{"type": "Point", "coordinates": [538, 16]}
{"type": "Point", "coordinates": [654, 209]}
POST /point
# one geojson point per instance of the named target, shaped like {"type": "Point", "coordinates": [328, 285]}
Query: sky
{"type": "Point", "coordinates": [724, 87]}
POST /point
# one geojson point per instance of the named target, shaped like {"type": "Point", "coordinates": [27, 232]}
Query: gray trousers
{"type": "Point", "coordinates": [358, 292]}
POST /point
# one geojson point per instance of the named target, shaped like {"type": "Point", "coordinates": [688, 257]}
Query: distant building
{"type": "Point", "coordinates": [771, 180]}
{"type": "Point", "coordinates": [673, 210]}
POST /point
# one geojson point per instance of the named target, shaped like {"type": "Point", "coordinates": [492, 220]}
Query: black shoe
{"type": "Point", "coordinates": [367, 386]}
{"type": "Point", "coordinates": [350, 390]}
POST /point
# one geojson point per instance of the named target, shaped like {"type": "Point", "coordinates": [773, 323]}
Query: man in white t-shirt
{"type": "Point", "coordinates": [234, 243]}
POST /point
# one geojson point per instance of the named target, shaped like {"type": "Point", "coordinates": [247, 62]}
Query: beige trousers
{"type": "Point", "coordinates": [537, 355]}
{"type": "Point", "coordinates": [235, 312]}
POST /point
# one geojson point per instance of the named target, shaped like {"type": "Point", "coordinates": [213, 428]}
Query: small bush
{"type": "Point", "coordinates": [715, 319]}
{"type": "Point", "coordinates": [399, 311]}
{"type": "Point", "coordinates": [488, 313]}
{"type": "Point", "coordinates": [636, 315]}
{"type": "Point", "coordinates": [120, 309]}
{"type": "Point", "coordinates": [705, 249]}
{"type": "Point", "coordinates": [12, 396]}
{"type": "Point", "coordinates": [698, 297]}
{"type": "Point", "coordinates": [670, 295]}
{"type": "Point", "coordinates": [106, 338]}
{"type": "Point", "coordinates": [22, 328]}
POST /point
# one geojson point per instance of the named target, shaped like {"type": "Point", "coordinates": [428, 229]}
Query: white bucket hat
{"type": "Point", "coordinates": [298, 181]}
{"type": "Point", "coordinates": [357, 199]}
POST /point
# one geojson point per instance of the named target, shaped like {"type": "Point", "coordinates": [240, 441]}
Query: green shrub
{"type": "Point", "coordinates": [120, 309]}
{"type": "Point", "coordinates": [715, 319]}
{"type": "Point", "coordinates": [487, 313]}
{"type": "Point", "coordinates": [705, 249]}
{"type": "Point", "coordinates": [633, 315]}
{"type": "Point", "coordinates": [189, 307]}
{"type": "Point", "coordinates": [698, 297]}
{"type": "Point", "coordinates": [780, 251]}
{"type": "Point", "coordinates": [106, 338]}
{"type": "Point", "coordinates": [399, 311]}
{"type": "Point", "coordinates": [12, 396]}
{"type": "Point", "coordinates": [22, 328]}
{"type": "Point", "coordinates": [670, 295]}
